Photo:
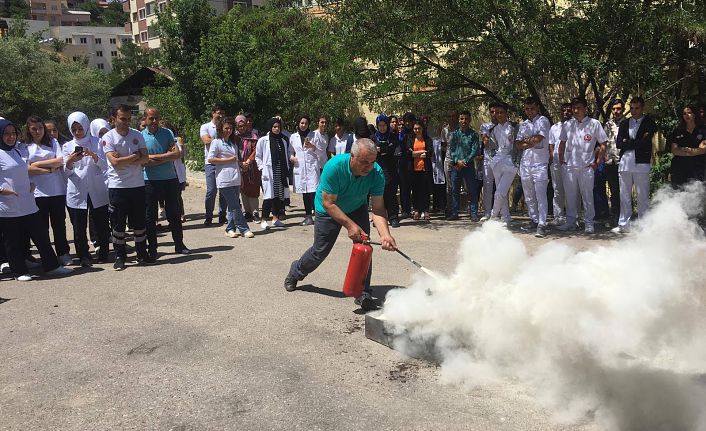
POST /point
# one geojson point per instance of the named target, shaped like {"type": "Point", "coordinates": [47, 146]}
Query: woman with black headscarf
{"type": "Point", "coordinates": [272, 157]}
{"type": "Point", "coordinates": [387, 142]}
{"type": "Point", "coordinates": [305, 158]}
{"type": "Point", "coordinates": [19, 213]}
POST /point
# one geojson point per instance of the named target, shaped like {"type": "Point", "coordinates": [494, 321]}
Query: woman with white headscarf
{"type": "Point", "coordinates": [99, 127]}
{"type": "Point", "coordinates": [86, 194]}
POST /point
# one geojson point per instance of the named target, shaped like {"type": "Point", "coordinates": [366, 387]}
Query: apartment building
{"type": "Point", "coordinates": [57, 13]}
{"type": "Point", "coordinates": [99, 45]}
{"type": "Point", "coordinates": [143, 14]}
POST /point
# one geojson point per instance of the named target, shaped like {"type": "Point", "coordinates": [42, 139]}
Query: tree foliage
{"type": "Point", "coordinates": [53, 89]}
{"type": "Point", "coordinates": [130, 59]}
{"type": "Point", "coordinates": [15, 9]}
{"type": "Point", "coordinates": [468, 52]}
{"type": "Point", "coordinates": [110, 16]}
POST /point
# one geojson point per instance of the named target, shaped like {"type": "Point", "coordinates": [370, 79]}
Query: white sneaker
{"type": "Point", "coordinates": [484, 218]}
{"type": "Point", "coordinates": [25, 277]}
{"type": "Point", "coordinates": [620, 229]}
{"type": "Point", "coordinates": [4, 268]}
{"type": "Point", "coordinates": [232, 234]}
{"type": "Point", "coordinates": [65, 259]}
{"type": "Point", "coordinates": [161, 214]}
{"type": "Point", "coordinates": [264, 225]}
{"type": "Point", "coordinates": [567, 227]}
{"type": "Point", "coordinates": [278, 223]}
{"type": "Point", "coordinates": [59, 270]}
{"type": "Point", "coordinates": [249, 234]}
{"type": "Point", "coordinates": [588, 229]}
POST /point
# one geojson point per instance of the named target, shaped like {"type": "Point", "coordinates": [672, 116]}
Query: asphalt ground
{"type": "Point", "coordinates": [212, 341]}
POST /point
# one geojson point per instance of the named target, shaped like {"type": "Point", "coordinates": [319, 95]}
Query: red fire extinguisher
{"type": "Point", "coordinates": [358, 266]}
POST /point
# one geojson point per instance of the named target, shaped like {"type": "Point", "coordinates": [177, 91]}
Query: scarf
{"type": "Point", "coordinates": [97, 125]}
{"type": "Point", "coordinates": [4, 124]}
{"type": "Point", "coordinates": [82, 119]}
{"type": "Point", "coordinates": [278, 152]}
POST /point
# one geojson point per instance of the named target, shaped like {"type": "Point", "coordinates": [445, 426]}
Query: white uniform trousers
{"type": "Point", "coordinates": [579, 181]}
{"type": "Point", "coordinates": [488, 181]}
{"type": "Point", "coordinates": [559, 200]}
{"type": "Point", "coordinates": [504, 174]}
{"type": "Point", "coordinates": [641, 181]}
{"type": "Point", "coordinates": [535, 180]}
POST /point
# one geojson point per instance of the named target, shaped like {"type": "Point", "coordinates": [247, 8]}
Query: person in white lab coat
{"type": "Point", "coordinates": [305, 158]}
{"type": "Point", "coordinates": [272, 157]}
{"type": "Point", "coordinates": [86, 192]}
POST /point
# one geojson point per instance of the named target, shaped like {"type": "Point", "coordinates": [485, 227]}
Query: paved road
{"type": "Point", "coordinates": [212, 341]}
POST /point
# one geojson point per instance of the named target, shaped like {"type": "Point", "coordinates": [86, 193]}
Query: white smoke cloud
{"type": "Point", "coordinates": [615, 333]}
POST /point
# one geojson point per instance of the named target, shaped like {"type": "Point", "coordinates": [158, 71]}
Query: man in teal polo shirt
{"type": "Point", "coordinates": [161, 183]}
{"type": "Point", "coordinates": [342, 201]}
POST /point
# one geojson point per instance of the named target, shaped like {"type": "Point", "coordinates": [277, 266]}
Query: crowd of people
{"type": "Point", "coordinates": [111, 176]}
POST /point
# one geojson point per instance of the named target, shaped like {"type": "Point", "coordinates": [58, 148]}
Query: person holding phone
{"type": "Point", "coordinates": [86, 191]}
{"type": "Point", "coordinates": [306, 162]}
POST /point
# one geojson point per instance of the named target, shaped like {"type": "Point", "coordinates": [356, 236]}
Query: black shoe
{"type": "Point", "coordinates": [248, 216]}
{"type": "Point", "coordinates": [182, 250]}
{"type": "Point", "coordinates": [366, 302]}
{"type": "Point", "coordinates": [404, 215]}
{"type": "Point", "coordinates": [529, 226]}
{"type": "Point", "coordinates": [208, 222]}
{"type": "Point", "coordinates": [102, 258]}
{"type": "Point", "coordinates": [222, 220]}
{"type": "Point", "coordinates": [146, 259]}
{"type": "Point", "coordinates": [452, 217]}
{"type": "Point", "coordinates": [395, 223]}
{"type": "Point", "coordinates": [290, 283]}
{"type": "Point", "coordinates": [119, 264]}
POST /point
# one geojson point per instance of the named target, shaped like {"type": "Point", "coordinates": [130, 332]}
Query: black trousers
{"type": "Point", "coordinates": [420, 190]}
{"type": "Point", "coordinates": [326, 231]}
{"type": "Point", "coordinates": [275, 206]}
{"type": "Point", "coordinates": [124, 204]}
{"type": "Point", "coordinates": [79, 220]}
{"type": "Point", "coordinates": [170, 192]}
{"type": "Point", "coordinates": [53, 208]}
{"type": "Point", "coordinates": [13, 231]}
{"type": "Point", "coordinates": [309, 202]}
{"type": "Point", "coordinates": [611, 172]}
{"type": "Point", "coordinates": [390, 197]}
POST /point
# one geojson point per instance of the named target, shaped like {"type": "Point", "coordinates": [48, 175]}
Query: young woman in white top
{"type": "Point", "coordinates": [18, 211]}
{"type": "Point", "coordinates": [46, 171]}
{"type": "Point", "coordinates": [87, 193]}
{"type": "Point", "coordinates": [224, 155]}
{"type": "Point", "coordinates": [305, 158]}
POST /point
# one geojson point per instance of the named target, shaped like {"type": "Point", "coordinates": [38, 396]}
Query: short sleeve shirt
{"type": "Point", "coordinates": [53, 184]}
{"type": "Point", "coordinates": [539, 154]}
{"type": "Point", "coordinates": [338, 145]}
{"type": "Point", "coordinates": [352, 191]}
{"type": "Point", "coordinates": [581, 139]}
{"type": "Point", "coordinates": [227, 175]}
{"type": "Point", "coordinates": [159, 143]}
{"type": "Point", "coordinates": [129, 176]}
{"type": "Point", "coordinates": [14, 176]}
{"type": "Point", "coordinates": [554, 139]}
{"type": "Point", "coordinates": [210, 130]}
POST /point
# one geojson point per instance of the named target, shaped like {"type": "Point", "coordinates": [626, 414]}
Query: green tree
{"type": "Point", "coordinates": [15, 9]}
{"type": "Point", "coordinates": [114, 15]}
{"type": "Point", "coordinates": [131, 58]}
{"type": "Point", "coordinates": [54, 89]}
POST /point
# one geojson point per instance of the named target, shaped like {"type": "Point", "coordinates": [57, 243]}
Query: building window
{"type": "Point", "coordinates": [134, 16]}
{"type": "Point", "coordinates": [76, 58]}
{"type": "Point", "coordinates": [137, 38]}
{"type": "Point", "coordinates": [113, 41]}
{"type": "Point", "coordinates": [98, 41]}
{"type": "Point", "coordinates": [83, 40]}
{"type": "Point", "coordinates": [113, 53]}
{"type": "Point", "coordinates": [150, 8]}
{"type": "Point", "coordinates": [68, 41]}
{"type": "Point", "coordinates": [162, 6]}
{"type": "Point", "coordinates": [143, 36]}
{"type": "Point", "coordinates": [100, 66]}
{"type": "Point", "coordinates": [151, 34]}
{"type": "Point", "coordinates": [141, 13]}
{"type": "Point", "coordinates": [99, 53]}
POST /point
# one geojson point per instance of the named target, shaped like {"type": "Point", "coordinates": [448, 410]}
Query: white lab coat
{"type": "Point", "coordinates": [307, 169]}
{"type": "Point", "coordinates": [87, 178]}
{"type": "Point", "coordinates": [264, 164]}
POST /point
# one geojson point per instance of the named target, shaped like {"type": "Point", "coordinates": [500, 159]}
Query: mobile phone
{"type": "Point", "coordinates": [78, 149]}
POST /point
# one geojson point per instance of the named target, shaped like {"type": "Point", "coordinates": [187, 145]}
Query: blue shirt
{"type": "Point", "coordinates": [352, 191]}
{"type": "Point", "coordinates": [159, 143]}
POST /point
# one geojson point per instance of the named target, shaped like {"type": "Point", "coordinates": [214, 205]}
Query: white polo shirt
{"type": "Point", "coordinates": [46, 185]}
{"type": "Point", "coordinates": [554, 139]}
{"type": "Point", "coordinates": [210, 130]}
{"type": "Point", "coordinates": [337, 145]}
{"type": "Point", "coordinates": [14, 176]}
{"type": "Point", "coordinates": [128, 176]}
{"type": "Point", "coordinates": [503, 136]}
{"type": "Point", "coordinates": [227, 175]}
{"type": "Point", "coordinates": [539, 154]}
{"type": "Point", "coordinates": [86, 178]}
{"type": "Point", "coordinates": [581, 138]}
{"type": "Point", "coordinates": [321, 142]}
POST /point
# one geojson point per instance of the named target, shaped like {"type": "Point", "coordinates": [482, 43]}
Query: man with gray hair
{"type": "Point", "coordinates": [342, 201]}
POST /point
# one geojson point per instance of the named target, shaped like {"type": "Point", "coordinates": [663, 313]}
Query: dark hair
{"type": "Point", "coordinates": [360, 128]}
{"type": "Point", "coordinates": [391, 117]}
{"type": "Point", "coordinates": [532, 100]}
{"type": "Point", "coordinates": [408, 116]}
{"type": "Point", "coordinates": [120, 108]}
{"type": "Point", "coordinates": [46, 139]}
{"type": "Point", "coordinates": [567, 104]}
{"type": "Point", "coordinates": [339, 122]}
{"type": "Point", "coordinates": [218, 107]}
{"type": "Point", "coordinates": [493, 104]}
{"type": "Point", "coordinates": [579, 101]}
{"type": "Point", "coordinates": [371, 129]}
{"type": "Point", "coordinates": [617, 101]}
{"type": "Point", "coordinates": [465, 112]}
{"type": "Point", "coordinates": [248, 115]}
{"type": "Point", "coordinates": [322, 116]}
{"type": "Point", "coordinates": [302, 116]}
{"type": "Point", "coordinates": [226, 120]}
{"type": "Point", "coordinates": [452, 112]}
{"type": "Point", "coordinates": [638, 99]}
{"type": "Point", "coordinates": [694, 110]}
{"type": "Point", "coordinates": [271, 123]}
{"type": "Point", "coordinates": [502, 105]}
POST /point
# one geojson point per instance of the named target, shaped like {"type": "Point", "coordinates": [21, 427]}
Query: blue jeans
{"type": "Point", "coordinates": [468, 176]}
{"type": "Point", "coordinates": [235, 213]}
{"type": "Point", "coordinates": [211, 190]}
{"type": "Point", "coordinates": [326, 231]}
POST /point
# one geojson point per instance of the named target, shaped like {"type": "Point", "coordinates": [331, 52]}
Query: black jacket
{"type": "Point", "coordinates": [409, 148]}
{"type": "Point", "coordinates": [642, 144]}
